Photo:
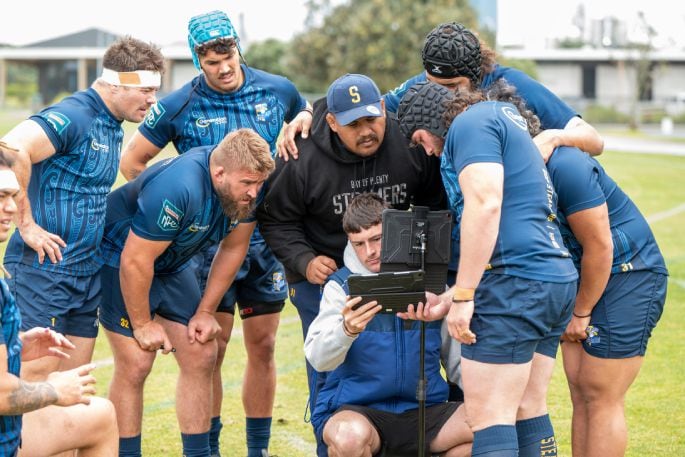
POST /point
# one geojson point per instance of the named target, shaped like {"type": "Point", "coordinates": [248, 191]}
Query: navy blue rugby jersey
{"type": "Point", "coordinates": [172, 200]}
{"type": "Point", "coordinates": [529, 242]}
{"type": "Point", "coordinates": [582, 183]}
{"type": "Point", "coordinates": [10, 322]}
{"type": "Point", "coordinates": [68, 190]}
{"type": "Point", "coordinates": [197, 115]}
{"type": "Point", "coordinates": [553, 112]}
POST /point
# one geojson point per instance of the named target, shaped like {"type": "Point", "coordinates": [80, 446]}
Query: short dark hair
{"type": "Point", "coordinates": [364, 211]}
{"type": "Point", "coordinates": [6, 155]}
{"type": "Point", "coordinates": [131, 54]}
{"type": "Point", "coordinates": [224, 45]}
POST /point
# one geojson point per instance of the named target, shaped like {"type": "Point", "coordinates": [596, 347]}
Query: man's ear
{"type": "Point", "coordinates": [218, 173]}
{"type": "Point", "coordinates": [330, 118]}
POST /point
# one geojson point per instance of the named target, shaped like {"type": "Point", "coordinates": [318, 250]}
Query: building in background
{"type": "Point", "coordinates": [586, 52]}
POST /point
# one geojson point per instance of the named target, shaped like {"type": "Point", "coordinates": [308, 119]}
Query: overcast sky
{"type": "Point", "coordinates": [162, 22]}
{"type": "Point", "coordinates": [165, 22]}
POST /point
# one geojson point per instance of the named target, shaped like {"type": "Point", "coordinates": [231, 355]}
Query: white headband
{"type": "Point", "coordinates": [138, 78]}
{"type": "Point", "coordinates": [8, 180]}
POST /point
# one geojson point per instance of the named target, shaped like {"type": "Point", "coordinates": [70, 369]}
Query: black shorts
{"type": "Point", "coordinates": [399, 432]}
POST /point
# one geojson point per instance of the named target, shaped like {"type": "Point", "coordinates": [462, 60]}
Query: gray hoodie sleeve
{"type": "Point", "coordinates": [450, 355]}
{"type": "Point", "coordinates": [327, 344]}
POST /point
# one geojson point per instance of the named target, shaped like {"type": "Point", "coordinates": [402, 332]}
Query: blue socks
{"type": "Point", "coordinates": [495, 441]}
{"type": "Point", "coordinates": [214, 431]}
{"type": "Point", "coordinates": [536, 437]}
{"type": "Point", "coordinates": [195, 445]}
{"type": "Point", "coordinates": [130, 447]}
{"type": "Point", "coordinates": [258, 432]}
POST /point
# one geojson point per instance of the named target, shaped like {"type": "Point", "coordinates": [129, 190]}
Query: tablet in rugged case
{"type": "Point", "coordinates": [392, 290]}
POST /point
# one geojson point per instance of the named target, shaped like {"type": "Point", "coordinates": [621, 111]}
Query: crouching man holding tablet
{"type": "Point", "coordinates": [368, 403]}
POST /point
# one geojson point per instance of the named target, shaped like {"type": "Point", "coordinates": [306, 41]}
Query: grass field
{"type": "Point", "coordinates": [656, 412]}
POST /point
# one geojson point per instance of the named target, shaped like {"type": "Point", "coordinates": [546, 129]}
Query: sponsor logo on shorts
{"type": "Point", "coordinates": [156, 112]}
{"type": "Point", "coordinates": [169, 217]}
{"type": "Point", "coordinates": [278, 281]}
{"type": "Point", "coordinates": [58, 121]}
{"type": "Point", "coordinates": [593, 337]}
{"type": "Point", "coordinates": [246, 311]}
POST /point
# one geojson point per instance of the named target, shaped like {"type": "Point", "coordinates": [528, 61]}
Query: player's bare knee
{"type": "Point", "coordinates": [103, 417]}
{"type": "Point", "coordinates": [350, 438]}
{"type": "Point", "coordinates": [200, 357]}
{"type": "Point", "coordinates": [134, 372]}
{"type": "Point", "coordinates": [263, 350]}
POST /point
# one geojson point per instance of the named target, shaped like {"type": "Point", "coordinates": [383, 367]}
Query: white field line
{"type": "Point", "coordinates": [660, 216]}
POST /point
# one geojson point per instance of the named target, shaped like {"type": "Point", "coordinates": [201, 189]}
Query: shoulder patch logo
{"type": "Point", "coordinates": [156, 112]}
{"type": "Point", "coordinates": [58, 121]}
{"type": "Point", "coordinates": [169, 217]}
{"type": "Point", "coordinates": [515, 117]}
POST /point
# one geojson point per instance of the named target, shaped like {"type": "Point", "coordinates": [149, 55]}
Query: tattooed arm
{"type": "Point", "coordinates": [135, 156]}
{"type": "Point", "coordinates": [62, 388]}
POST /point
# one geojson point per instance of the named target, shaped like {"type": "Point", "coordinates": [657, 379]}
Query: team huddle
{"type": "Point", "coordinates": [547, 251]}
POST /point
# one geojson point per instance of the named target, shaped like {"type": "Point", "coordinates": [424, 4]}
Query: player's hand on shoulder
{"type": "Point", "coordinates": [299, 125]}
{"type": "Point", "coordinates": [547, 141]}
{"type": "Point", "coordinates": [43, 242]}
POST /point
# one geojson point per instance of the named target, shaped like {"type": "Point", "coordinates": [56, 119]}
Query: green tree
{"type": "Point", "coordinates": [22, 83]}
{"type": "Point", "coordinates": [378, 38]}
{"type": "Point", "coordinates": [268, 55]}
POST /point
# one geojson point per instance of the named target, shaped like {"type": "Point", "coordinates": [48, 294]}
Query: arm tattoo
{"type": "Point", "coordinates": [29, 396]}
{"type": "Point", "coordinates": [134, 173]}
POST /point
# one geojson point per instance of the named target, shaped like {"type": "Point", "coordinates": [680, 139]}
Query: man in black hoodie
{"type": "Point", "coordinates": [354, 147]}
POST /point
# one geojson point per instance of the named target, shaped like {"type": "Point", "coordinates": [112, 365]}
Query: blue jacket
{"type": "Point", "coordinates": [381, 367]}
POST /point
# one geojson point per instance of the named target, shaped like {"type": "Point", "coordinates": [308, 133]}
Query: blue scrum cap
{"type": "Point", "coordinates": [208, 27]}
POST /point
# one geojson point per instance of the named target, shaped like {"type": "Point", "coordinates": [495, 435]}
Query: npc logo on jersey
{"type": "Point", "coordinates": [58, 121]}
{"type": "Point", "coordinates": [156, 112]}
{"type": "Point", "coordinates": [278, 281]}
{"type": "Point", "coordinates": [261, 111]}
{"type": "Point", "coordinates": [169, 217]}
{"type": "Point", "coordinates": [515, 117]}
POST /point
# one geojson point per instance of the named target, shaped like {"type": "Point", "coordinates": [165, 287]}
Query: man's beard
{"type": "Point", "coordinates": [233, 210]}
